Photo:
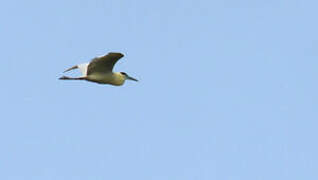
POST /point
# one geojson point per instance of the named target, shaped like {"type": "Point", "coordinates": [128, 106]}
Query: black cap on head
{"type": "Point", "coordinates": [128, 77]}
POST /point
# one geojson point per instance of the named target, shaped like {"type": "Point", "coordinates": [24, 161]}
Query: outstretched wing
{"type": "Point", "coordinates": [81, 67]}
{"type": "Point", "coordinates": [104, 63]}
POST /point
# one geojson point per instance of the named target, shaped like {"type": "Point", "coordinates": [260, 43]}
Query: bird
{"type": "Point", "coordinates": [100, 70]}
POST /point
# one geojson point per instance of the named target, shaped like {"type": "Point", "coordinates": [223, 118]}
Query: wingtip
{"type": "Point", "coordinates": [74, 67]}
{"type": "Point", "coordinates": [116, 54]}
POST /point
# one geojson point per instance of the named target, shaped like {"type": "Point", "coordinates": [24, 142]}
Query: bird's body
{"type": "Point", "coordinates": [99, 70]}
{"type": "Point", "coordinates": [116, 78]}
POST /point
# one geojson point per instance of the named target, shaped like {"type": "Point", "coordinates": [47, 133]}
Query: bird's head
{"type": "Point", "coordinates": [128, 77]}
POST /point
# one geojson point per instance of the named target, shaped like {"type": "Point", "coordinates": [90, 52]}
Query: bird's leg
{"type": "Point", "coordinates": [71, 78]}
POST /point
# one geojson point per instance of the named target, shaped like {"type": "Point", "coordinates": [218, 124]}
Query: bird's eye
{"type": "Point", "coordinates": [123, 73]}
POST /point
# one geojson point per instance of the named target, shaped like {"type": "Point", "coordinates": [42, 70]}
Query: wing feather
{"type": "Point", "coordinates": [83, 69]}
{"type": "Point", "coordinates": [104, 63]}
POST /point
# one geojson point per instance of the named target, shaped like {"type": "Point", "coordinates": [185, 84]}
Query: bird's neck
{"type": "Point", "coordinates": [118, 78]}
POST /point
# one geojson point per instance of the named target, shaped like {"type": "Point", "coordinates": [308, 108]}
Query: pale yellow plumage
{"type": "Point", "coordinates": [99, 70]}
{"type": "Point", "coordinates": [116, 78]}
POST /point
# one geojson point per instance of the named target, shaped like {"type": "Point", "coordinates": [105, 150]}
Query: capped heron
{"type": "Point", "coordinates": [100, 70]}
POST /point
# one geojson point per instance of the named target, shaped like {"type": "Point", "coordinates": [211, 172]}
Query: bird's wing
{"type": "Point", "coordinates": [81, 67]}
{"type": "Point", "coordinates": [104, 63]}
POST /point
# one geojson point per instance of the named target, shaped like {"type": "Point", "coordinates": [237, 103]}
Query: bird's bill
{"type": "Point", "coordinates": [131, 78]}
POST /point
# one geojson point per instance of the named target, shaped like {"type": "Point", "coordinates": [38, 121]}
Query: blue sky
{"type": "Point", "coordinates": [227, 90]}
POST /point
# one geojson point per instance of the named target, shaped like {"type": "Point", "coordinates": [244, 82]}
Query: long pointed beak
{"type": "Point", "coordinates": [131, 78]}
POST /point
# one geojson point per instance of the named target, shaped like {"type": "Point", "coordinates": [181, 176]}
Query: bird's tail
{"type": "Point", "coordinates": [71, 78]}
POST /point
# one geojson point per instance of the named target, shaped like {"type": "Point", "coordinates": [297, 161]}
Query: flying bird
{"type": "Point", "coordinates": [100, 70]}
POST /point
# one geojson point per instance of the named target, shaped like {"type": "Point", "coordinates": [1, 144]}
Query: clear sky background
{"type": "Point", "coordinates": [227, 91]}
